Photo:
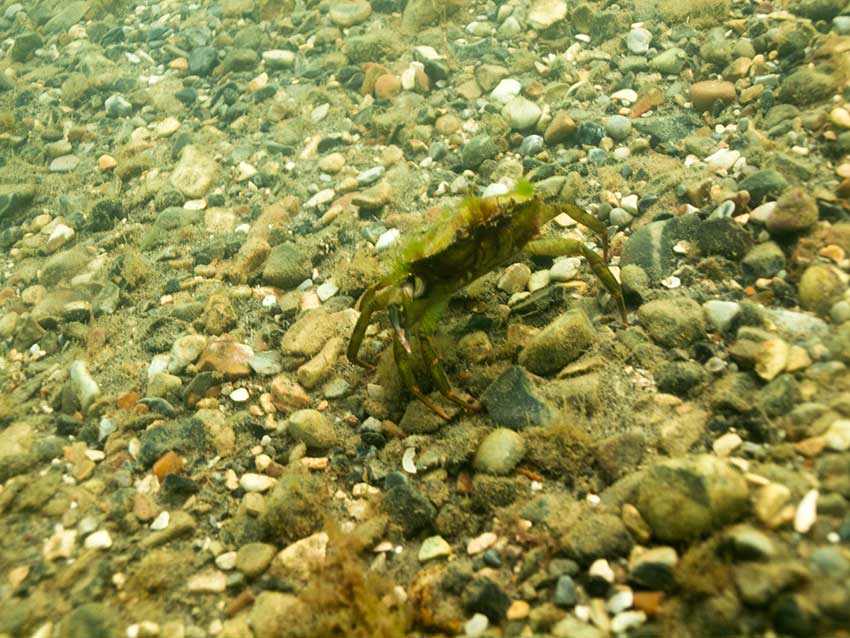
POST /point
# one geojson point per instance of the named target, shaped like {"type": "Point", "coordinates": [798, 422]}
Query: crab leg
{"type": "Point", "coordinates": [572, 247]}
{"type": "Point", "coordinates": [402, 356]}
{"type": "Point", "coordinates": [586, 219]}
{"type": "Point", "coordinates": [441, 379]}
{"type": "Point", "coordinates": [367, 307]}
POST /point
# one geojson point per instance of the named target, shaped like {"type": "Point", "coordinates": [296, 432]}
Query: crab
{"type": "Point", "coordinates": [467, 243]}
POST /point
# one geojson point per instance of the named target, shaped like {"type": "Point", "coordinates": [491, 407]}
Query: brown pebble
{"type": "Point", "coordinates": [387, 86]}
{"type": "Point", "coordinates": [560, 128]}
{"type": "Point", "coordinates": [168, 463]}
{"type": "Point", "coordinates": [704, 94]}
{"type": "Point", "coordinates": [648, 602]}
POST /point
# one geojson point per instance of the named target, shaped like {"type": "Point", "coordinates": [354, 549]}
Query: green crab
{"type": "Point", "coordinates": [468, 242]}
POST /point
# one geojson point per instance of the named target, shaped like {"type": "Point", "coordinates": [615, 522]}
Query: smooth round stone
{"type": "Point", "coordinates": [618, 127]}
{"type": "Point", "coordinates": [279, 58]}
{"type": "Point", "coordinates": [521, 113]}
{"type": "Point", "coordinates": [704, 94]}
{"type": "Point", "coordinates": [370, 175]}
{"type": "Point", "coordinates": [544, 13]}
{"type": "Point", "coordinates": [64, 164]}
{"type": "Point", "coordinates": [841, 24]}
{"type": "Point", "coordinates": [565, 269]}
{"type": "Point", "coordinates": [499, 452]}
{"type": "Point", "coordinates": [434, 547]}
{"type": "Point", "coordinates": [348, 13]}
{"type": "Point", "coordinates": [638, 41]}
{"type": "Point", "coordinates": [506, 90]}
{"type": "Point", "coordinates": [670, 61]}
{"type": "Point", "coordinates": [332, 163]}
{"type": "Point", "coordinates": [476, 626]}
{"type": "Point", "coordinates": [620, 217]}
{"type": "Point", "coordinates": [387, 239]}
{"type": "Point", "coordinates": [531, 145]}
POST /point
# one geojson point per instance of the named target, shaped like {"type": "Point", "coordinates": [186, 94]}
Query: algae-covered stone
{"type": "Point", "coordinates": [673, 322]}
{"type": "Point", "coordinates": [475, 151]}
{"type": "Point", "coordinates": [91, 620]}
{"type": "Point", "coordinates": [795, 211]}
{"type": "Point", "coordinates": [499, 452]}
{"type": "Point", "coordinates": [763, 184]}
{"type": "Point", "coordinates": [312, 428]}
{"type": "Point", "coordinates": [685, 498]}
{"type": "Point", "coordinates": [820, 286]}
{"type": "Point", "coordinates": [195, 172]}
{"type": "Point", "coordinates": [253, 559]}
{"type": "Point", "coordinates": [295, 508]}
{"type": "Point", "coordinates": [287, 265]}
{"type": "Point", "coordinates": [598, 535]}
{"type": "Point", "coordinates": [805, 86]}
{"type": "Point", "coordinates": [16, 450]}
{"type": "Point", "coordinates": [512, 400]}
{"type": "Point", "coordinates": [276, 615]}
{"type": "Point", "coordinates": [559, 343]}
{"type": "Point", "coordinates": [764, 260]}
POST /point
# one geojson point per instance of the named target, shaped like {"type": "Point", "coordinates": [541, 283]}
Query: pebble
{"type": "Point", "coordinates": [506, 90]}
{"type": "Point", "coordinates": [434, 547]}
{"type": "Point", "coordinates": [515, 278]}
{"type": "Point", "coordinates": [544, 13]}
{"type": "Point", "coordinates": [704, 94]}
{"type": "Point", "coordinates": [565, 269]}
{"type": "Point", "coordinates": [476, 626]}
{"type": "Point", "coordinates": [256, 482]}
{"type": "Point", "coordinates": [98, 540]}
{"type": "Point", "coordinates": [499, 452]}
{"type": "Point", "coordinates": [837, 436]}
{"type": "Point", "coordinates": [618, 127]}
{"type": "Point", "coordinates": [806, 513]}
{"type": "Point", "coordinates": [638, 41]}
{"type": "Point", "coordinates": [521, 113]}
{"type": "Point", "coordinates": [64, 164]}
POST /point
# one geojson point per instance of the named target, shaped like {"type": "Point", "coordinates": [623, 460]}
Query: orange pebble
{"type": "Point", "coordinates": [648, 602]}
{"type": "Point", "coordinates": [168, 463]}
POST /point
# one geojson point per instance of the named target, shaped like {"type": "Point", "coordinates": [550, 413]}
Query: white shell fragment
{"type": "Point", "coordinates": [407, 460]}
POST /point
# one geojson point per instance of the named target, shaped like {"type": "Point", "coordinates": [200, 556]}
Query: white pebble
{"type": "Point", "coordinates": [506, 90]}
{"type": "Point", "coordinates": [239, 395]}
{"type": "Point", "coordinates": [602, 569]}
{"type": "Point", "coordinates": [837, 437]}
{"type": "Point", "coordinates": [538, 280]}
{"type": "Point", "coordinates": [626, 96]}
{"type": "Point", "coordinates": [620, 600]}
{"type": "Point", "coordinates": [626, 620]}
{"type": "Point", "coordinates": [806, 512]}
{"type": "Point", "coordinates": [565, 269]}
{"type": "Point", "coordinates": [251, 482]}
{"type": "Point", "coordinates": [226, 561]}
{"type": "Point", "coordinates": [161, 521]}
{"type": "Point", "coordinates": [327, 290]}
{"type": "Point", "coordinates": [476, 625]}
{"type": "Point", "coordinates": [726, 444]}
{"type": "Point", "coordinates": [481, 543]}
{"type": "Point", "coordinates": [387, 239]}
{"type": "Point", "coordinates": [98, 540]}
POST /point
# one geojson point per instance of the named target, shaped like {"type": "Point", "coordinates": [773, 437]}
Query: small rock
{"type": "Point", "coordinates": [312, 428]}
{"type": "Point", "coordinates": [544, 13]}
{"type": "Point", "coordinates": [434, 547]}
{"type": "Point", "coordinates": [675, 322]}
{"type": "Point", "coordinates": [771, 358]}
{"type": "Point", "coordinates": [559, 343]}
{"type": "Point", "coordinates": [499, 452]}
{"type": "Point", "coordinates": [515, 278]}
{"type": "Point", "coordinates": [721, 314]}
{"type": "Point", "coordinates": [638, 40]}
{"type": "Point", "coordinates": [795, 211]}
{"type": "Point", "coordinates": [684, 498]}
{"type": "Point", "coordinates": [820, 286]}
{"type": "Point", "coordinates": [704, 94]}
{"type": "Point", "coordinates": [521, 113]}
